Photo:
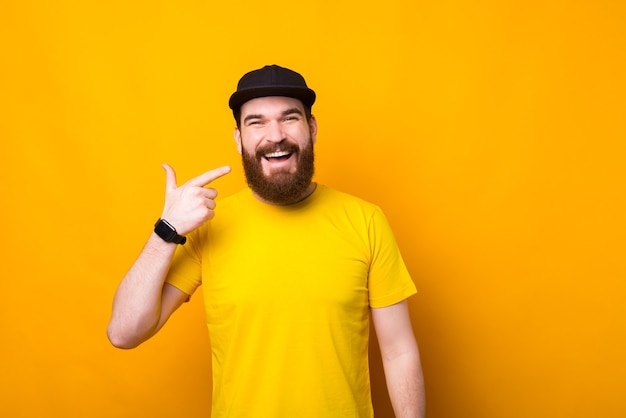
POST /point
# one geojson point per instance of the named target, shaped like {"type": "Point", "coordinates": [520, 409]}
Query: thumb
{"type": "Point", "coordinates": [170, 178]}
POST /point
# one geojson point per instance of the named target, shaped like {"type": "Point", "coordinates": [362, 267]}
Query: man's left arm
{"type": "Point", "coordinates": [401, 360]}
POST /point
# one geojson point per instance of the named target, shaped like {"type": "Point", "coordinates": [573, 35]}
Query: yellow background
{"type": "Point", "coordinates": [490, 132]}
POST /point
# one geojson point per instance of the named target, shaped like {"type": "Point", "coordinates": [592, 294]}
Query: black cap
{"type": "Point", "coordinates": [271, 80]}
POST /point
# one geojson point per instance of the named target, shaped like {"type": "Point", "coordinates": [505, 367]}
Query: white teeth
{"type": "Point", "coordinates": [276, 154]}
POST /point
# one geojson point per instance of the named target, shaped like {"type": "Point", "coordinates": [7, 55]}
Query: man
{"type": "Point", "coordinates": [291, 272]}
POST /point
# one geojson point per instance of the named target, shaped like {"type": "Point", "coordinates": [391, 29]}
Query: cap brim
{"type": "Point", "coordinates": [304, 94]}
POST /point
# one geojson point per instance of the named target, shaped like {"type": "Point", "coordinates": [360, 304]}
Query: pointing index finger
{"type": "Point", "coordinates": [206, 178]}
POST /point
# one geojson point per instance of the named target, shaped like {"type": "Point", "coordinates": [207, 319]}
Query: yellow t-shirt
{"type": "Point", "coordinates": [287, 291]}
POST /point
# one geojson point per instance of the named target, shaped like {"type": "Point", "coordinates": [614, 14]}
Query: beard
{"type": "Point", "coordinates": [280, 188]}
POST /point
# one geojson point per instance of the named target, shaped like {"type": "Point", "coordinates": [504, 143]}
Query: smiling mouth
{"type": "Point", "coordinates": [277, 156]}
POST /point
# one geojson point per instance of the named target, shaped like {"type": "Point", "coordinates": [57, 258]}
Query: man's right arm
{"type": "Point", "coordinates": [143, 301]}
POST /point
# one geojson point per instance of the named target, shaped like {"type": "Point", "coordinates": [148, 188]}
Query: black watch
{"type": "Point", "coordinates": [168, 233]}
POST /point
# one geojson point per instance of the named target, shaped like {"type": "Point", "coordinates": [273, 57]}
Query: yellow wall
{"type": "Point", "coordinates": [491, 133]}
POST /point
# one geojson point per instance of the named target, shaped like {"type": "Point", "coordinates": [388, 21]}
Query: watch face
{"type": "Point", "coordinates": [168, 233]}
{"type": "Point", "coordinates": [165, 230]}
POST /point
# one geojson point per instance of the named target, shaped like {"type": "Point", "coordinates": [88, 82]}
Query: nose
{"type": "Point", "coordinates": [274, 132]}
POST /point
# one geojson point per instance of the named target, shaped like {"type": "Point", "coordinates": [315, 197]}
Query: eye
{"type": "Point", "coordinates": [291, 118]}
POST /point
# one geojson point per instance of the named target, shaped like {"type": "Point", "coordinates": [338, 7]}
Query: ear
{"type": "Point", "coordinates": [313, 128]}
{"type": "Point", "coordinates": [237, 136]}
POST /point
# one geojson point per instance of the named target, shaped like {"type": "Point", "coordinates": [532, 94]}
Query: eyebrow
{"type": "Point", "coordinates": [284, 113]}
{"type": "Point", "coordinates": [292, 110]}
{"type": "Point", "coordinates": [250, 117]}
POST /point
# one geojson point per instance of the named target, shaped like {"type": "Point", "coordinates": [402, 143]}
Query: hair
{"type": "Point", "coordinates": [237, 114]}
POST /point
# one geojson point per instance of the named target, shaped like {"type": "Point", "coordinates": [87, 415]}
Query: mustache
{"type": "Point", "coordinates": [269, 148]}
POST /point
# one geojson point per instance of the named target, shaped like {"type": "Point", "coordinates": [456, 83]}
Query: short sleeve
{"type": "Point", "coordinates": [389, 281]}
{"type": "Point", "coordinates": [185, 271]}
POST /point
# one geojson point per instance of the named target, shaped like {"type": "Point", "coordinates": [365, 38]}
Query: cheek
{"type": "Point", "coordinates": [249, 150]}
{"type": "Point", "coordinates": [247, 144]}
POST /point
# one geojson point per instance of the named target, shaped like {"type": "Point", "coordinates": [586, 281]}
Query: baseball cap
{"type": "Point", "coordinates": [271, 80]}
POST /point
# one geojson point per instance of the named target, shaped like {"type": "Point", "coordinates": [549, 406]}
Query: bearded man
{"type": "Point", "coordinates": [291, 273]}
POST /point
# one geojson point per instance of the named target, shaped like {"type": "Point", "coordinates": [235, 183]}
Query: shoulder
{"type": "Point", "coordinates": [334, 196]}
{"type": "Point", "coordinates": [339, 200]}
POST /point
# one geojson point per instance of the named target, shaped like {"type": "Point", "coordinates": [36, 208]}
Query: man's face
{"type": "Point", "coordinates": [276, 143]}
